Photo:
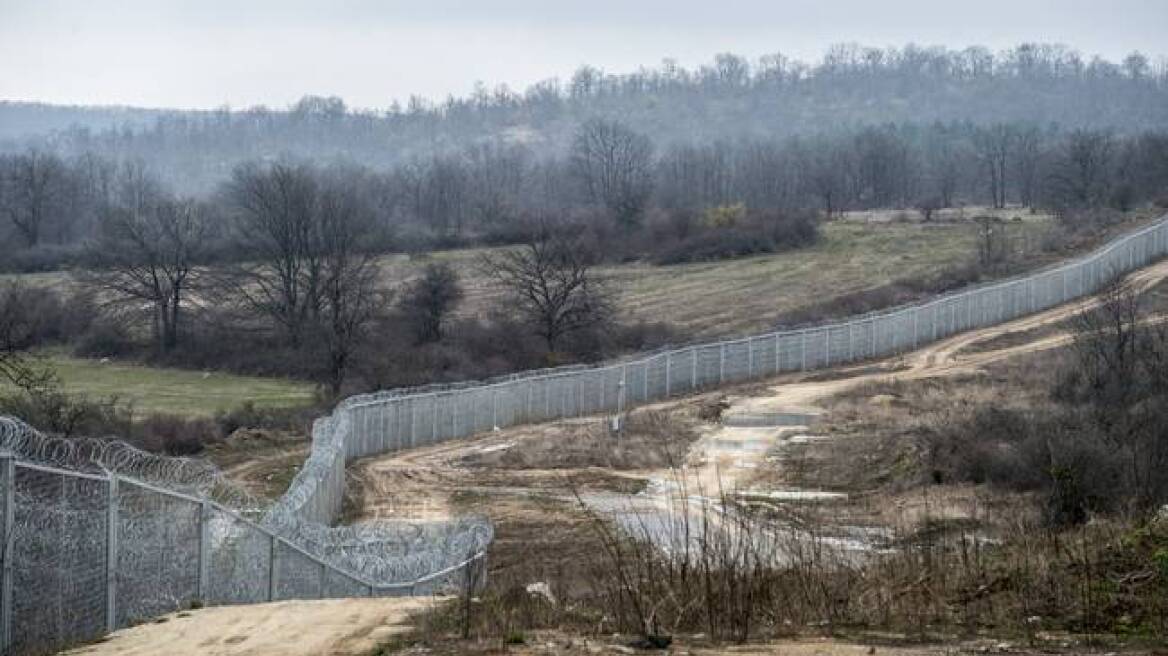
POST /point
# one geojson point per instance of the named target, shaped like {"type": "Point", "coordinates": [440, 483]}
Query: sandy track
{"type": "Point", "coordinates": [289, 628]}
{"type": "Point", "coordinates": [728, 457]}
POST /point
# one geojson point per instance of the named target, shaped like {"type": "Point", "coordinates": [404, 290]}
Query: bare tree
{"type": "Point", "coordinates": [31, 190]}
{"type": "Point", "coordinates": [550, 280]}
{"type": "Point", "coordinates": [496, 177]}
{"type": "Point", "coordinates": [1027, 156]}
{"type": "Point", "coordinates": [927, 205]}
{"type": "Point", "coordinates": [147, 250]}
{"type": "Point", "coordinates": [826, 166]}
{"type": "Point", "coordinates": [428, 301]}
{"type": "Point", "coordinates": [614, 166]}
{"type": "Point", "coordinates": [991, 240]}
{"type": "Point", "coordinates": [17, 333]}
{"type": "Point", "coordinates": [1081, 175]}
{"type": "Point", "coordinates": [276, 226]}
{"type": "Point", "coordinates": [309, 237]}
{"type": "Point", "coordinates": [350, 299]}
{"type": "Point", "coordinates": [994, 145]}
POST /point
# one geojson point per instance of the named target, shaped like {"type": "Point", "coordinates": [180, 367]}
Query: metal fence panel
{"type": "Point", "coordinates": [240, 558]}
{"type": "Point", "coordinates": [158, 553]}
{"type": "Point", "coordinates": [59, 552]}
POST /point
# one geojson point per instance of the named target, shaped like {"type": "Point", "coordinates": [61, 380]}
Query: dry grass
{"type": "Point", "coordinates": [749, 294]}
{"type": "Point", "coordinates": [652, 439]}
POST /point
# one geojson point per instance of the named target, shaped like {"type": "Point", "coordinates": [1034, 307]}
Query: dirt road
{"type": "Point", "coordinates": [289, 628]}
{"type": "Point", "coordinates": [422, 482]}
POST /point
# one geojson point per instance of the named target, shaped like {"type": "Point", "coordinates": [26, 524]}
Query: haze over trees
{"type": "Point", "coordinates": [728, 99]}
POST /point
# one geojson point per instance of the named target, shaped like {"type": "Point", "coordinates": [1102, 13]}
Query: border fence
{"type": "Point", "coordinates": [401, 419]}
{"type": "Point", "coordinates": [85, 553]}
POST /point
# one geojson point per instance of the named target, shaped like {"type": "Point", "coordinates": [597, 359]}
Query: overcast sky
{"type": "Point", "coordinates": [207, 53]}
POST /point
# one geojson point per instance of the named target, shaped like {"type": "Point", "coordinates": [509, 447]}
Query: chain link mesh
{"type": "Point", "coordinates": [170, 549]}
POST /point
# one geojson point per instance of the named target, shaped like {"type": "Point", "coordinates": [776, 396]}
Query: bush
{"type": "Point", "coordinates": [250, 416]}
{"type": "Point", "coordinates": [176, 436]}
{"type": "Point", "coordinates": [50, 409]}
{"type": "Point", "coordinates": [727, 232]}
{"type": "Point", "coordinates": [40, 316]}
{"type": "Point", "coordinates": [716, 244]}
{"type": "Point", "coordinates": [105, 338]}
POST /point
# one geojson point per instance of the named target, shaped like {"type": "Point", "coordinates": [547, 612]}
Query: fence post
{"type": "Point", "coordinates": [323, 580]}
{"type": "Point", "coordinates": [204, 586]}
{"type": "Point", "coordinates": [111, 555]}
{"type": "Point", "coordinates": [916, 322]}
{"type": "Point", "coordinates": [778, 354]}
{"type": "Point", "coordinates": [803, 349]}
{"type": "Point", "coordinates": [645, 381]}
{"type": "Point", "coordinates": [721, 363]}
{"type": "Point", "coordinates": [693, 351]}
{"type": "Point", "coordinates": [624, 388]}
{"type": "Point", "coordinates": [413, 424]}
{"type": "Point", "coordinates": [272, 551]}
{"type": "Point", "coordinates": [851, 342]}
{"type": "Point", "coordinates": [750, 358]}
{"type": "Point", "coordinates": [7, 525]}
{"type": "Point", "coordinates": [826, 346]}
{"type": "Point", "coordinates": [668, 372]}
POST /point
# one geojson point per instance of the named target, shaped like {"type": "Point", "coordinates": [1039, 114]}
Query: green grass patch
{"type": "Point", "coordinates": [152, 390]}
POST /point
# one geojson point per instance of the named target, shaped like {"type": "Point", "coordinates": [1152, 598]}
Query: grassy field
{"type": "Point", "coordinates": [739, 296]}
{"type": "Point", "coordinates": [189, 393]}
{"type": "Point", "coordinates": [747, 295]}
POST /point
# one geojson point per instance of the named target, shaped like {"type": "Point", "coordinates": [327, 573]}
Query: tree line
{"type": "Point", "coordinates": [728, 99]}
{"type": "Point", "coordinates": [613, 177]}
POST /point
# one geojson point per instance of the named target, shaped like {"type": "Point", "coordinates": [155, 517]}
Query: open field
{"type": "Point", "coordinates": [174, 391]}
{"type": "Point", "coordinates": [754, 294]}
{"type": "Point", "coordinates": [749, 294]}
{"type": "Point", "coordinates": [863, 252]}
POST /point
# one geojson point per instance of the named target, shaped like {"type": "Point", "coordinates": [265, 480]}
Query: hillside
{"type": "Point", "coordinates": [729, 99]}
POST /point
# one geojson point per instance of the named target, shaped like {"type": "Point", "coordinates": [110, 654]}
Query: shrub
{"type": "Point", "coordinates": [176, 436]}
{"type": "Point", "coordinates": [40, 315]}
{"type": "Point", "coordinates": [716, 244]}
{"type": "Point", "coordinates": [105, 339]}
